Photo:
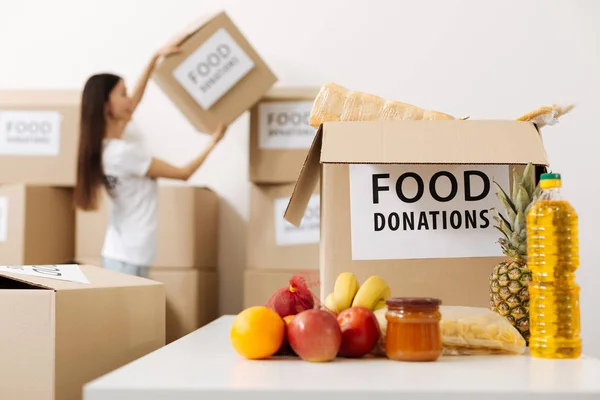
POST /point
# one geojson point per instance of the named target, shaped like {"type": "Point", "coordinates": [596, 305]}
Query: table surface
{"type": "Point", "coordinates": [203, 363]}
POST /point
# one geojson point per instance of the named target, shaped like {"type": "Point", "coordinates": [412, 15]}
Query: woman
{"type": "Point", "coordinates": [124, 169]}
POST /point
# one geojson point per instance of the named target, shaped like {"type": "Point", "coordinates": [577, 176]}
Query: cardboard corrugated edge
{"type": "Point", "coordinates": [376, 142]}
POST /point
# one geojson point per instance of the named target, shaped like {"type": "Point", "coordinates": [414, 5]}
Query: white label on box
{"type": "Point", "coordinates": [424, 211]}
{"type": "Point", "coordinates": [3, 219]}
{"type": "Point", "coordinates": [213, 69]}
{"type": "Point", "coordinates": [309, 231]}
{"type": "Point", "coordinates": [30, 133]}
{"type": "Point", "coordinates": [63, 272]}
{"type": "Point", "coordinates": [285, 125]}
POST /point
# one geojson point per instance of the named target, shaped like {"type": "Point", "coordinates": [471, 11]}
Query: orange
{"type": "Point", "coordinates": [288, 318]}
{"type": "Point", "coordinates": [257, 332]}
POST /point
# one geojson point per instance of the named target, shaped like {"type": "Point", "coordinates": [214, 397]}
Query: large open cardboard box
{"type": "Point", "coordinates": [280, 134]}
{"type": "Point", "coordinates": [57, 335]}
{"type": "Point", "coordinates": [217, 76]}
{"type": "Point", "coordinates": [410, 201]}
{"type": "Point", "coordinates": [39, 136]}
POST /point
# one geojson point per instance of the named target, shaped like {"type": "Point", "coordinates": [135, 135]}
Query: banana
{"type": "Point", "coordinates": [372, 293]}
{"type": "Point", "coordinates": [330, 304]}
{"type": "Point", "coordinates": [380, 304]}
{"type": "Point", "coordinates": [345, 288]}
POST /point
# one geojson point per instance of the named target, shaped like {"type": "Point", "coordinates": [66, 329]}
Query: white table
{"type": "Point", "coordinates": [203, 365]}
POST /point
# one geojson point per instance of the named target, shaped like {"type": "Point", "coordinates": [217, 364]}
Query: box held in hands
{"type": "Point", "coordinates": [217, 76]}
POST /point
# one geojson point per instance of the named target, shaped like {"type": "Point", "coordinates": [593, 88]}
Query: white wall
{"type": "Point", "coordinates": [483, 59]}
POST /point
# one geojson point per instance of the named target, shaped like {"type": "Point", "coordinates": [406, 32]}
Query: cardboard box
{"type": "Point", "coordinates": [217, 77]}
{"type": "Point", "coordinates": [192, 297]}
{"type": "Point", "coordinates": [280, 134]}
{"type": "Point", "coordinates": [58, 335]}
{"type": "Point", "coordinates": [261, 284]}
{"type": "Point", "coordinates": [188, 222]}
{"type": "Point", "coordinates": [274, 243]}
{"type": "Point", "coordinates": [39, 136]}
{"type": "Point", "coordinates": [37, 225]}
{"type": "Point", "coordinates": [381, 213]}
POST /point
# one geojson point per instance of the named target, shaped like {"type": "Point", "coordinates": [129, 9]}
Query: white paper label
{"type": "Point", "coordinates": [285, 125]}
{"type": "Point", "coordinates": [308, 232]}
{"type": "Point", "coordinates": [213, 69]}
{"type": "Point", "coordinates": [30, 133]}
{"type": "Point", "coordinates": [63, 272]}
{"type": "Point", "coordinates": [424, 211]}
{"type": "Point", "coordinates": [3, 219]}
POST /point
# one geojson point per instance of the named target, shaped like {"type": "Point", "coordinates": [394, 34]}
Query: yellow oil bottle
{"type": "Point", "coordinates": [553, 257]}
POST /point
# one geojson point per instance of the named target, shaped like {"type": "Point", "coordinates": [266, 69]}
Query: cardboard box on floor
{"type": "Point", "coordinates": [192, 297]}
{"type": "Point", "coordinates": [188, 221]}
{"type": "Point", "coordinates": [261, 284]}
{"type": "Point", "coordinates": [217, 76]}
{"type": "Point", "coordinates": [410, 201]}
{"type": "Point", "coordinates": [39, 136]}
{"type": "Point", "coordinates": [280, 134]}
{"type": "Point", "coordinates": [274, 243]}
{"type": "Point", "coordinates": [37, 225]}
{"type": "Point", "coordinates": [57, 335]}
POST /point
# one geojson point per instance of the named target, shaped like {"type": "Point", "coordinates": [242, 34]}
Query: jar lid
{"type": "Point", "coordinates": [413, 301]}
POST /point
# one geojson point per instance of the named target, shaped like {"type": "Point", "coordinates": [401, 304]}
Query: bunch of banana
{"type": "Point", "coordinates": [347, 293]}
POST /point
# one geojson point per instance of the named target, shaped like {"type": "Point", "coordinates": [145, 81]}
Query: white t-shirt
{"type": "Point", "coordinates": [133, 203]}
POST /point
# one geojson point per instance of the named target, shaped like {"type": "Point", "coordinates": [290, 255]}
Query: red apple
{"type": "Point", "coordinates": [360, 331]}
{"type": "Point", "coordinates": [315, 335]}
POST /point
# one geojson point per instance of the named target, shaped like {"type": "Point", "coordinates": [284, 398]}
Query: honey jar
{"type": "Point", "coordinates": [413, 329]}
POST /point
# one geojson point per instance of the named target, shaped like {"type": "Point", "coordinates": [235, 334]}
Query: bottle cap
{"type": "Point", "coordinates": [550, 180]}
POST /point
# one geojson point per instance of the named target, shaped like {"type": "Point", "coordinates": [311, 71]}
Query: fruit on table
{"type": "Point", "coordinates": [286, 349]}
{"type": "Point", "coordinates": [360, 331]}
{"type": "Point", "coordinates": [345, 288]}
{"type": "Point", "coordinates": [347, 293]}
{"type": "Point", "coordinates": [257, 333]}
{"type": "Point", "coordinates": [315, 335]}
{"type": "Point", "coordinates": [379, 349]}
{"type": "Point", "coordinates": [372, 294]}
{"type": "Point", "coordinates": [509, 281]}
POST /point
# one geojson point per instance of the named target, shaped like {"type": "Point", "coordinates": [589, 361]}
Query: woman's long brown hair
{"type": "Point", "coordinates": [90, 175]}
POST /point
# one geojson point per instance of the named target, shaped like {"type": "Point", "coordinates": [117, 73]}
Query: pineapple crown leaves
{"type": "Point", "coordinates": [512, 226]}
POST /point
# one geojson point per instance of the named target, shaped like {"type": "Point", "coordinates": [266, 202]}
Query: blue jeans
{"type": "Point", "coordinates": [125, 268]}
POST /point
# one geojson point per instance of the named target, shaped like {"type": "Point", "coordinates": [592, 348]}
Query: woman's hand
{"type": "Point", "coordinates": [173, 47]}
{"type": "Point", "coordinates": [219, 133]}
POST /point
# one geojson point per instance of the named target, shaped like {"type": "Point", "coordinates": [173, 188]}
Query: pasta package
{"type": "Point", "coordinates": [546, 115]}
{"type": "Point", "coordinates": [336, 103]}
{"type": "Point", "coordinates": [478, 330]}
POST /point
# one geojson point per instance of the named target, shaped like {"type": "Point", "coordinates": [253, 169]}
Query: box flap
{"type": "Point", "coordinates": [33, 98]}
{"type": "Point", "coordinates": [291, 93]}
{"type": "Point", "coordinates": [98, 278]}
{"type": "Point", "coordinates": [432, 142]}
{"type": "Point", "coordinates": [309, 177]}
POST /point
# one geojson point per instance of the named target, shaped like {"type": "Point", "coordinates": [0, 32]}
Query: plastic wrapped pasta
{"type": "Point", "coordinates": [546, 115]}
{"type": "Point", "coordinates": [336, 103]}
{"type": "Point", "coordinates": [478, 330]}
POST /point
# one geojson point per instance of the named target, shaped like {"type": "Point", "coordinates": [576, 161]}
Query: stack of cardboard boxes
{"type": "Point", "coordinates": [186, 260]}
{"type": "Point", "coordinates": [280, 136]}
{"type": "Point", "coordinates": [63, 324]}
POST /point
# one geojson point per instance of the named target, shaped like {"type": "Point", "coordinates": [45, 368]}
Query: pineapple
{"type": "Point", "coordinates": [509, 282]}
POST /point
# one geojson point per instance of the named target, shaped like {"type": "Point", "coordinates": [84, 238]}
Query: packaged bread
{"type": "Point", "coordinates": [336, 103]}
{"type": "Point", "coordinates": [467, 331]}
{"type": "Point", "coordinates": [546, 115]}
